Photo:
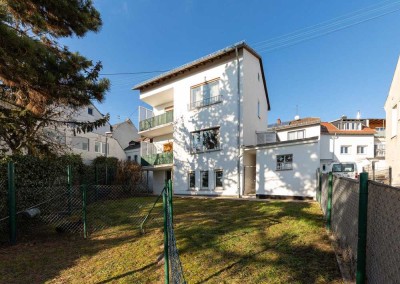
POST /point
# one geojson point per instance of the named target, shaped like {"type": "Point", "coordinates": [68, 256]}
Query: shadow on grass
{"type": "Point", "coordinates": [261, 241]}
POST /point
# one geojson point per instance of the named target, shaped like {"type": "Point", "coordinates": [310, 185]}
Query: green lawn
{"type": "Point", "coordinates": [220, 241]}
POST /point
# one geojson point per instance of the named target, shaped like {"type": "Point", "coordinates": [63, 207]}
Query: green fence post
{"type": "Point", "coordinates": [362, 229]}
{"type": "Point", "coordinates": [329, 202]}
{"type": "Point", "coordinates": [12, 206]}
{"type": "Point", "coordinates": [84, 215]}
{"type": "Point", "coordinates": [166, 257]}
{"type": "Point", "coordinates": [69, 181]}
{"type": "Point", "coordinates": [170, 200]}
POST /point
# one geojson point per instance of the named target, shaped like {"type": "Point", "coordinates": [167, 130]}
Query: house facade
{"type": "Point", "coordinates": [202, 116]}
{"type": "Point", "coordinates": [287, 159]}
{"type": "Point", "coordinates": [392, 109]}
{"type": "Point", "coordinates": [352, 140]}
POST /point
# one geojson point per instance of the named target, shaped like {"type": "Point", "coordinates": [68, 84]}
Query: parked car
{"type": "Point", "coordinates": [348, 169]}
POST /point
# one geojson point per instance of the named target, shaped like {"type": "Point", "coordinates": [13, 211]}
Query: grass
{"type": "Point", "coordinates": [220, 241]}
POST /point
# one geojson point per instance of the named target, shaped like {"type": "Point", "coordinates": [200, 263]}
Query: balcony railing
{"type": "Point", "coordinates": [380, 153]}
{"type": "Point", "coordinates": [164, 158]}
{"type": "Point", "coordinates": [157, 120]}
{"type": "Point", "coordinates": [205, 102]}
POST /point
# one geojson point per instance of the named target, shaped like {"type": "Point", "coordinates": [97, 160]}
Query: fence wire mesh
{"type": "Point", "coordinates": [344, 222]}
{"type": "Point", "coordinates": [383, 234]}
{"type": "Point", "coordinates": [52, 201]}
{"type": "Point", "coordinates": [176, 274]}
{"type": "Point", "coordinates": [324, 192]}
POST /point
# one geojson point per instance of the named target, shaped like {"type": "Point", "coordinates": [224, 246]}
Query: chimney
{"type": "Point", "coordinates": [278, 121]}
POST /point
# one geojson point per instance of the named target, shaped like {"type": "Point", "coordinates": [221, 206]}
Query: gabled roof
{"type": "Point", "coordinates": [329, 128]}
{"type": "Point", "coordinates": [202, 61]}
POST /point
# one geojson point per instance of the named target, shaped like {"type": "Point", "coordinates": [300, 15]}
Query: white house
{"type": "Point", "coordinates": [287, 159]}
{"type": "Point", "coordinates": [348, 140]}
{"type": "Point", "coordinates": [203, 114]}
{"type": "Point", "coordinates": [392, 109]}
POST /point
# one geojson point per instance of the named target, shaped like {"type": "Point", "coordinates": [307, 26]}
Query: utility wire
{"type": "Point", "coordinates": [297, 37]}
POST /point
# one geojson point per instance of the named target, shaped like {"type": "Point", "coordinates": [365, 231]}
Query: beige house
{"type": "Point", "coordinates": [392, 107]}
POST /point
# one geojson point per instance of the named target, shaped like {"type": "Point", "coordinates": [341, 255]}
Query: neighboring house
{"type": "Point", "coordinates": [392, 109]}
{"type": "Point", "coordinates": [287, 159]}
{"type": "Point", "coordinates": [132, 151]}
{"type": "Point", "coordinates": [350, 140]}
{"type": "Point", "coordinates": [99, 142]}
{"type": "Point", "coordinates": [203, 114]}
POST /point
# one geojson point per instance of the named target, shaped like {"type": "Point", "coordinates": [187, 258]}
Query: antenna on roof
{"type": "Point", "coordinates": [297, 116]}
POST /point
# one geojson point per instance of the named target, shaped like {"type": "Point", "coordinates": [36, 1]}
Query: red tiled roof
{"type": "Point", "coordinates": [329, 128]}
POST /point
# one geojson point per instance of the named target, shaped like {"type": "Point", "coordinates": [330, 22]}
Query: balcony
{"type": "Point", "coordinates": [164, 158]}
{"type": "Point", "coordinates": [157, 125]}
{"type": "Point", "coordinates": [205, 102]}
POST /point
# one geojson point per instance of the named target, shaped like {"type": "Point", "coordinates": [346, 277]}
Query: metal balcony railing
{"type": "Point", "coordinates": [380, 153]}
{"type": "Point", "coordinates": [205, 102]}
{"type": "Point", "coordinates": [157, 120]}
{"type": "Point", "coordinates": [164, 158]}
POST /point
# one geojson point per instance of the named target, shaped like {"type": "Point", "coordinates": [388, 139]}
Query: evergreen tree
{"type": "Point", "coordinates": [39, 78]}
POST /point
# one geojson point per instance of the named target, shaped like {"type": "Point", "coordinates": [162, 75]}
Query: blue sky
{"type": "Point", "coordinates": [331, 75]}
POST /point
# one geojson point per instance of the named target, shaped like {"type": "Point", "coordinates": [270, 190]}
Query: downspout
{"type": "Point", "coordinates": [239, 120]}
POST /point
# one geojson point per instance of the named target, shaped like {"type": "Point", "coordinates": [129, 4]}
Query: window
{"type": "Point", "coordinates": [205, 140]}
{"type": "Point", "coordinates": [192, 180]}
{"type": "Point", "coordinates": [219, 174]}
{"type": "Point", "coordinates": [361, 149]}
{"type": "Point", "coordinates": [100, 147]}
{"type": "Point", "coordinates": [284, 162]}
{"type": "Point", "coordinates": [258, 109]}
{"type": "Point", "coordinates": [90, 110]}
{"type": "Point", "coordinates": [293, 135]}
{"type": "Point", "coordinates": [204, 179]}
{"type": "Point", "coordinates": [336, 168]}
{"type": "Point", "coordinates": [394, 121]}
{"type": "Point", "coordinates": [205, 94]}
{"type": "Point", "coordinates": [258, 77]}
{"type": "Point", "coordinates": [80, 143]}
{"type": "Point", "coordinates": [135, 158]}
{"type": "Point", "coordinates": [129, 158]}
{"type": "Point", "coordinates": [351, 126]}
{"type": "Point", "coordinates": [345, 150]}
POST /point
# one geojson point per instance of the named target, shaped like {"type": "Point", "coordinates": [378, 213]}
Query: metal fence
{"type": "Point", "coordinates": [363, 218]}
{"type": "Point", "coordinates": [66, 202]}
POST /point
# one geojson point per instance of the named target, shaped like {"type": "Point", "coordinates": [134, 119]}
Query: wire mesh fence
{"type": "Point", "coordinates": [377, 262]}
{"type": "Point", "coordinates": [383, 234]}
{"type": "Point", "coordinates": [63, 199]}
{"type": "Point", "coordinates": [345, 219]}
{"type": "Point", "coordinates": [174, 266]}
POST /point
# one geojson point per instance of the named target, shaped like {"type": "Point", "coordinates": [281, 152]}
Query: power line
{"type": "Point", "coordinates": [311, 32]}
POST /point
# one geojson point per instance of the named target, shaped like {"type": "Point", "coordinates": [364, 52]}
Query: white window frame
{"type": "Point", "coordinates": [296, 134]}
{"type": "Point", "coordinates": [215, 179]}
{"type": "Point", "coordinates": [194, 179]}
{"type": "Point", "coordinates": [201, 180]}
{"type": "Point", "coordinates": [102, 147]}
{"type": "Point", "coordinates": [284, 162]}
{"type": "Point", "coordinates": [198, 144]}
{"type": "Point", "coordinates": [204, 93]}
{"type": "Point", "coordinates": [364, 150]}
{"type": "Point", "coordinates": [348, 147]}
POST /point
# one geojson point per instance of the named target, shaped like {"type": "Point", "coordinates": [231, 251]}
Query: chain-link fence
{"type": "Point", "coordinates": [383, 234]}
{"type": "Point", "coordinates": [174, 270]}
{"type": "Point", "coordinates": [61, 199]}
{"type": "Point", "coordinates": [345, 219]}
{"type": "Point", "coordinates": [364, 213]}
